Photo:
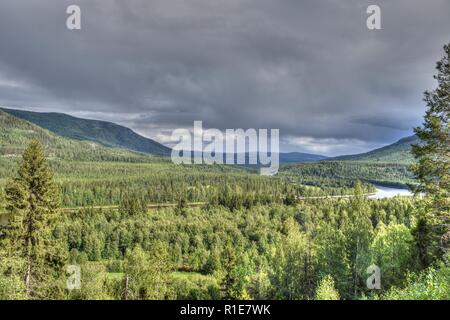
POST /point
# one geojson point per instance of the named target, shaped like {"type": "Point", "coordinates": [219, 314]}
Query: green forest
{"type": "Point", "coordinates": [141, 228]}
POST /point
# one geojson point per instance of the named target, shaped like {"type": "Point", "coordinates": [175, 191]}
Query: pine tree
{"type": "Point", "coordinates": [32, 202]}
{"type": "Point", "coordinates": [433, 153]}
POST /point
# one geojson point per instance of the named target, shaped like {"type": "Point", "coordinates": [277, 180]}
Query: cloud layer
{"type": "Point", "coordinates": [310, 68]}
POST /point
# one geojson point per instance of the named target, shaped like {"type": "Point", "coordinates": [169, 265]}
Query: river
{"type": "Point", "coordinates": [389, 192]}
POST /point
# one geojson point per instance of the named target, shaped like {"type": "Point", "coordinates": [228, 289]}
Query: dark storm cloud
{"type": "Point", "coordinates": [309, 68]}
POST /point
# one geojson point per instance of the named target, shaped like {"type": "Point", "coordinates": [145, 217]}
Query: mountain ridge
{"type": "Point", "coordinates": [103, 132]}
{"type": "Point", "coordinates": [298, 157]}
{"type": "Point", "coordinates": [397, 152]}
{"type": "Point", "coordinates": [116, 136]}
{"type": "Point", "coordinates": [16, 134]}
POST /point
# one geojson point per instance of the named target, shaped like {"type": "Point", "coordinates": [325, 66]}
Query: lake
{"type": "Point", "coordinates": [388, 192]}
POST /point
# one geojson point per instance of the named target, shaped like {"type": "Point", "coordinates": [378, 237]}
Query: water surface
{"type": "Point", "coordinates": [389, 192]}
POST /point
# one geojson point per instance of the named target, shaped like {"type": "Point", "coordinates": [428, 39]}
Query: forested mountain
{"type": "Point", "coordinates": [384, 166]}
{"type": "Point", "coordinates": [16, 134]}
{"type": "Point", "coordinates": [344, 173]}
{"type": "Point", "coordinates": [398, 152]}
{"type": "Point", "coordinates": [102, 132]}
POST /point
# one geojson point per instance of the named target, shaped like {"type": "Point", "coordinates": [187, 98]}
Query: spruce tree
{"type": "Point", "coordinates": [433, 153]}
{"type": "Point", "coordinates": [32, 202]}
{"type": "Point", "coordinates": [326, 289]}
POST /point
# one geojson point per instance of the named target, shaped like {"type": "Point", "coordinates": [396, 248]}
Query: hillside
{"type": "Point", "coordinates": [345, 173]}
{"type": "Point", "coordinates": [102, 132]}
{"type": "Point", "coordinates": [16, 134]}
{"type": "Point", "coordinates": [398, 152]}
{"type": "Point", "coordinates": [384, 166]}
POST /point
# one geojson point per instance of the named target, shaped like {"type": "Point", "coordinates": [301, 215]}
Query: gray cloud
{"type": "Point", "coordinates": [309, 68]}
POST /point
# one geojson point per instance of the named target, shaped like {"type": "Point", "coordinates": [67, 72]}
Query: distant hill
{"type": "Point", "coordinates": [102, 132]}
{"type": "Point", "coordinates": [299, 157]}
{"type": "Point", "coordinates": [284, 158]}
{"type": "Point", "coordinates": [113, 135]}
{"type": "Point", "coordinates": [398, 152]}
{"type": "Point", "coordinates": [16, 134]}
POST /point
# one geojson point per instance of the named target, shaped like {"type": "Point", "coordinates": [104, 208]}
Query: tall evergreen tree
{"type": "Point", "coordinates": [433, 153]}
{"type": "Point", "coordinates": [32, 202]}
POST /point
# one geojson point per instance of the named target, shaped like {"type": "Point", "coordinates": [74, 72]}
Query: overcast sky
{"type": "Point", "coordinates": [309, 68]}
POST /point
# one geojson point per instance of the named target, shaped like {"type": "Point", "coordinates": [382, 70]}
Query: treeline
{"type": "Point", "coordinates": [159, 181]}
{"type": "Point", "coordinates": [345, 173]}
{"type": "Point", "coordinates": [230, 190]}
